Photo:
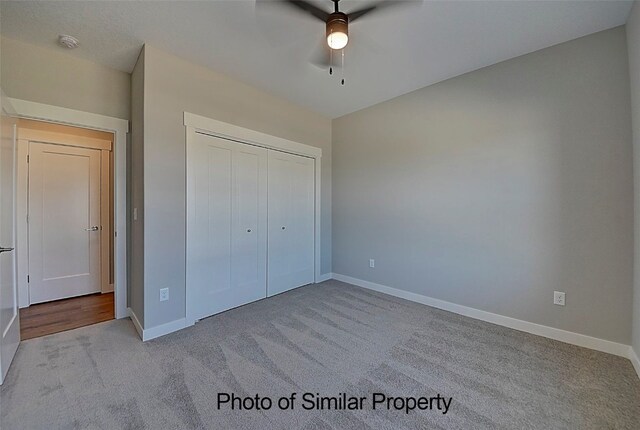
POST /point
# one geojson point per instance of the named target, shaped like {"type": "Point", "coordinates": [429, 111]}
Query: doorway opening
{"type": "Point", "coordinates": [65, 220]}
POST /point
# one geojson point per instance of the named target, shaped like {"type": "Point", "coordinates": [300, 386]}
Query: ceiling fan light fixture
{"type": "Point", "coordinates": [337, 30]}
{"type": "Point", "coordinates": [337, 40]}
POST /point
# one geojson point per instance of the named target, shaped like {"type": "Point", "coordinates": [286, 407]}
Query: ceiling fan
{"type": "Point", "coordinates": [337, 24]}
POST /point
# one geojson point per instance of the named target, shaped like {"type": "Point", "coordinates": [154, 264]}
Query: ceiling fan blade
{"type": "Point", "coordinates": [302, 6]}
{"type": "Point", "coordinates": [378, 7]}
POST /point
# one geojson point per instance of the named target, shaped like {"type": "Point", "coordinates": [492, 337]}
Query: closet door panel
{"type": "Point", "coordinates": [279, 210]}
{"type": "Point", "coordinates": [291, 222]}
{"type": "Point", "coordinates": [302, 221]}
{"type": "Point", "coordinates": [226, 197]}
{"type": "Point", "coordinates": [249, 222]}
{"type": "Point", "coordinates": [209, 227]}
{"type": "Point", "coordinates": [217, 214]}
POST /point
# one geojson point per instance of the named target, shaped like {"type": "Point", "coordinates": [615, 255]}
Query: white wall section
{"type": "Point", "coordinates": [496, 188]}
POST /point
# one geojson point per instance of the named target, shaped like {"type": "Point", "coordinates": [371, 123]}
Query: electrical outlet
{"type": "Point", "coordinates": [558, 298]}
{"type": "Point", "coordinates": [372, 263]}
{"type": "Point", "coordinates": [164, 294]}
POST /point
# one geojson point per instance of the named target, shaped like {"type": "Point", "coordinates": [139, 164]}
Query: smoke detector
{"type": "Point", "coordinates": [67, 41]}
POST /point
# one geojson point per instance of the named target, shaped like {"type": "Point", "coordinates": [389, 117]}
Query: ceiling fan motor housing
{"type": "Point", "coordinates": [338, 22]}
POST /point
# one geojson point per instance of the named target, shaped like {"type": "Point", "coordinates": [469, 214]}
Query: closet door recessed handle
{"type": "Point", "coordinates": [5, 250]}
{"type": "Point", "coordinates": [248, 230]}
{"type": "Point", "coordinates": [283, 227]}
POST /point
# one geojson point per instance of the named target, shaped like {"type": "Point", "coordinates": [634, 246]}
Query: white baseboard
{"type": "Point", "coordinates": [529, 327]}
{"type": "Point", "coordinates": [157, 331]}
{"type": "Point", "coordinates": [325, 277]}
{"type": "Point", "coordinates": [162, 329]}
{"type": "Point", "coordinates": [136, 323]}
{"type": "Point", "coordinates": [634, 360]}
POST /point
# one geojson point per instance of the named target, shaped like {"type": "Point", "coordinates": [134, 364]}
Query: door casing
{"type": "Point", "coordinates": [119, 127]}
{"type": "Point", "coordinates": [30, 132]}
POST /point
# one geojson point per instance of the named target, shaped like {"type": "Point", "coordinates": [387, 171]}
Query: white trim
{"type": "Point", "coordinates": [157, 331]}
{"type": "Point", "coordinates": [318, 219]}
{"type": "Point", "coordinates": [526, 326]}
{"type": "Point", "coordinates": [162, 329]}
{"type": "Point", "coordinates": [136, 322]}
{"type": "Point", "coordinates": [119, 127]}
{"type": "Point", "coordinates": [200, 124]}
{"type": "Point", "coordinates": [245, 135]}
{"type": "Point", "coordinates": [22, 249]}
{"type": "Point", "coordinates": [189, 138]}
{"type": "Point", "coordinates": [61, 115]}
{"type": "Point", "coordinates": [324, 277]}
{"type": "Point", "coordinates": [634, 360]}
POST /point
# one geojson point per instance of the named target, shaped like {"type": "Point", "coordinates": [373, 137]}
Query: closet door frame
{"type": "Point", "coordinates": [196, 124]}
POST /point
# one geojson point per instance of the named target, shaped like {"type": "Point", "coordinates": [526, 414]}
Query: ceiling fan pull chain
{"type": "Point", "coordinates": [330, 60]}
{"type": "Point", "coordinates": [342, 82]}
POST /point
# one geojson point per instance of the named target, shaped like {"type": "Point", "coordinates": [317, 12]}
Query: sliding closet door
{"type": "Point", "coordinates": [291, 222]}
{"type": "Point", "coordinates": [227, 225]}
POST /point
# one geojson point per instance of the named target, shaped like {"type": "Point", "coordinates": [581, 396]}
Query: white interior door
{"type": "Point", "coordinates": [9, 317]}
{"type": "Point", "coordinates": [64, 222]}
{"type": "Point", "coordinates": [291, 222]}
{"type": "Point", "coordinates": [226, 226]}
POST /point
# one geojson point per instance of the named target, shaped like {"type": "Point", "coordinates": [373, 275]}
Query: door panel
{"type": "Point", "coordinates": [249, 226]}
{"type": "Point", "coordinates": [303, 214]}
{"type": "Point", "coordinates": [279, 248]}
{"type": "Point", "coordinates": [9, 320]}
{"type": "Point", "coordinates": [64, 222]}
{"type": "Point", "coordinates": [226, 226]}
{"type": "Point", "coordinates": [291, 222]}
{"type": "Point", "coordinates": [215, 185]}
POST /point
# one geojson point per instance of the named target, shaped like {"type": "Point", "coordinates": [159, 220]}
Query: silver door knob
{"type": "Point", "coordinates": [94, 228]}
{"type": "Point", "coordinates": [5, 250]}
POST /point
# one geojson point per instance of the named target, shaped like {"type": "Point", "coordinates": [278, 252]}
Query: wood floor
{"type": "Point", "coordinates": [61, 315]}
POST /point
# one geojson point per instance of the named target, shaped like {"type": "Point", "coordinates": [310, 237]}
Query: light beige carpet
{"type": "Point", "coordinates": [329, 338]}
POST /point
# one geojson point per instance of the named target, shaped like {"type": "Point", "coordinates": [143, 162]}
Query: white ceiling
{"type": "Point", "coordinates": [389, 54]}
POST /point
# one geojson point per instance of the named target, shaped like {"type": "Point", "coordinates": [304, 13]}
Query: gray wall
{"type": "Point", "coordinates": [173, 86]}
{"type": "Point", "coordinates": [53, 77]}
{"type": "Point", "coordinates": [497, 187]}
{"type": "Point", "coordinates": [633, 41]}
{"type": "Point", "coordinates": [135, 185]}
